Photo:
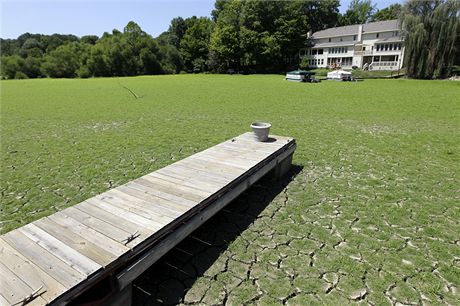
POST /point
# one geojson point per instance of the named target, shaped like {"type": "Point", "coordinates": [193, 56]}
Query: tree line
{"type": "Point", "coordinates": [242, 35]}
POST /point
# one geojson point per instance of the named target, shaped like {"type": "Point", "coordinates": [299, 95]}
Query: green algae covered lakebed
{"type": "Point", "coordinates": [371, 214]}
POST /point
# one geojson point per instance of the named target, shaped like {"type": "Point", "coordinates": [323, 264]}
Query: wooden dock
{"type": "Point", "coordinates": [115, 236]}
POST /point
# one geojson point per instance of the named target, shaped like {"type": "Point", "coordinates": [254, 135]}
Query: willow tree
{"type": "Point", "coordinates": [431, 29]}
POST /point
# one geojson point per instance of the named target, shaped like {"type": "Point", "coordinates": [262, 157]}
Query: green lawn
{"type": "Point", "coordinates": [373, 213]}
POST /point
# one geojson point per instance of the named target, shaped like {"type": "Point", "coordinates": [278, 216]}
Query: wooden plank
{"type": "Point", "coordinates": [212, 167]}
{"type": "Point", "coordinates": [14, 289]}
{"type": "Point", "coordinates": [221, 164]}
{"type": "Point", "coordinates": [243, 151]}
{"type": "Point", "coordinates": [113, 219]}
{"type": "Point", "coordinates": [46, 261]}
{"type": "Point", "coordinates": [194, 193]}
{"type": "Point", "coordinates": [160, 208]}
{"type": "Point", "coordinates": [225, 160]}
{"type": "Point", "coordinates": [81, 245]}
{"type": "Point", "coordinates": [239, 153]}
{"type": "Point", "coordinates": [136, 192]}
{"type": "Point", "coordinates": [98, 241]}
{"type": "Point", "coordinates": [249, 146]}
{"type": "Point", "coordinates": [278, 140]}
{"type": "Point", "coordinates": [101, 226]}
{"type": "Point", "coordinates": [126, 214]}
{"type": "Point", "coordinates": [232, 156]}
{"type": "Point", "coordinates": [31, 274]}
{"type": "Point", "coordinates": [185, 172]}
{"type": "Point", "coordinates": [212, 170]}
{"type": "Point", "coordinates": [59, 249]}
{"type": "Point", "coordinates": [152, 193]}
{"type": "Point", "coordinates": [3, 300]}
{"type": "Point", "coordinates": [178, 192]}
{"type": "Point", "coordinates": [263, 146]}
{"type": "Point", "coordinates": [187, 181]}
{"type": "Point", "coordinates": [121, 200]}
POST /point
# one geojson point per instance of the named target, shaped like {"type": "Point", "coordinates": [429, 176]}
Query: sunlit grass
{"type": "Point", "coordinates": [380, 165]}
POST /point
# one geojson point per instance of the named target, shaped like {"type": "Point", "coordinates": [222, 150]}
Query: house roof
{"type": "Point", "coordinates": [338, 31]}
{"type": "Point", "coordinates": [379, 26]}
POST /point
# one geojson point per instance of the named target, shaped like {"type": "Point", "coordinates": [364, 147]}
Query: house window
{"type": "Point", "coordinates": [354, 37]}
{"type": "Point", "coordinates": [314, 52]}
{"type": "Point", "coordinates": [377, 35]}
{"type": "Point", "coordinates": [399, 46]}
{"type": "Point", "coordinates": [364, 48]}
{"type": "Point", "coordinates": [320, 51]}
{"type": "Point", "coordinates": [329, 40]}
{"type": "Point", "coordinates": [322, 61]}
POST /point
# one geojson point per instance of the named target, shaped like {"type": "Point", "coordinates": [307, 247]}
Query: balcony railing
{"type": "Point", "coordinates": [386, 65]}
{"type": "Point", "coordinates": [365, 52]}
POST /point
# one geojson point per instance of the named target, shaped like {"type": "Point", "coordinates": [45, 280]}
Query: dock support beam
{"type": "Point", "coordinates": [282, 167]}
{"type": "Point", "coordinates": [123, 297]}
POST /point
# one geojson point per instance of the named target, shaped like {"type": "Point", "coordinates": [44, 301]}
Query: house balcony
{"type": "Point", "coordinates": [385, 65]}
{"type": "Point", "coordinates": [365, 52]}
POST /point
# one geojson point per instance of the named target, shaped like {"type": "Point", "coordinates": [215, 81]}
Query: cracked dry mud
{"type": "Point", "coordinates": [288, 243]}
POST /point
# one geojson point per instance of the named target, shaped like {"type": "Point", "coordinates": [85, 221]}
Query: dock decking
{"type": "Point", "coordinates": [121, 232]}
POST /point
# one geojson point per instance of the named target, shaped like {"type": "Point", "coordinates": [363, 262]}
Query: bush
{"type": "Point", "coordinates": [303, 63]}
{"type": "Point", "coordinates": [83, 72]}
{"type": "Point", "coordinates": [20, 75]}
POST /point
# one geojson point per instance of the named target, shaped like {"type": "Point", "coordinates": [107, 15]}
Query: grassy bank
{"type": "Point", "coordinates": [372, 214]}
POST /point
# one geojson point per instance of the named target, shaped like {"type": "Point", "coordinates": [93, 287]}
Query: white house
{"type": "Point", "coordinates": [374, 45]}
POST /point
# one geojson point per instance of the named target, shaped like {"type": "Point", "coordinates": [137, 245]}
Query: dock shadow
{"type": "Point", "coordinates": [169, 279]}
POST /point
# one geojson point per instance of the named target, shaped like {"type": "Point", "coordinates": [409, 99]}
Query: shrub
{"type": "Point", "coordinates": [19, 75]}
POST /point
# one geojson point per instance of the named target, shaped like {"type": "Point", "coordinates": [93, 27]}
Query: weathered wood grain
{"type": "Point", "coordinates": [50, 264]}
{"type": "Point", "coordinates": [113, 219]}
{"type": "Point", "coordinates": [14, 289]}
{"type": "Point", "coordinates": [30, 273]}
{"type": "Point", "coordinates": [77, 242]}
{"type": "Point", "coordinates": [59, 249]}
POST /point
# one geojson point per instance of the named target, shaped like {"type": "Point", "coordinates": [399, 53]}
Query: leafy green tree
{"type": "Point", "coordinates": [358, 12]}
{"type": "Point", "coordinates": [89, 39]}
{"type": "Point", "coordinates": [64, 61]}
{"type": "Point", "coordinates": [388, 13]}
{"type": "Point", "coordinates": [431, 30]}
{"type": "Point", "coordinates": [266, 35]}
{"type": "Point", "coordinates": [32, 67]}
{"type": "Point", "coordinates": [226, 35]}
{"type": "Point", "coordinates": [194, 44]}
{"type": "Point", "coordinates": [176, 31]}
{"type": "Point", "coordinates": [10, 65]}
{"type": "Point", "coordinates": [9, 47]}
{"type": "Point", "coordinates": [169, 57]}
{"type": "Point", "coordinates": [321, 14]}
{"type": "Point", "coordinates": [31, 47]}
{"type": "Point", "coordinates": [98, 61]}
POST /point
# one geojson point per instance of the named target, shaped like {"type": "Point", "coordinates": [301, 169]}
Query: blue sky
{"type": "Point", "coordinates": [83, 17]}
